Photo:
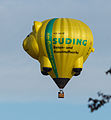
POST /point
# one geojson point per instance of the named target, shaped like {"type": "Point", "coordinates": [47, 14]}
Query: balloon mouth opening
{"type": "Point", "coordinates": [61, 82]}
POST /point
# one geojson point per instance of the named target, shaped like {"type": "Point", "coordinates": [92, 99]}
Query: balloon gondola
{"type": "Point", "coordinates": [61, 94]}
{"type": "Point", "coordinates": [61, 45]}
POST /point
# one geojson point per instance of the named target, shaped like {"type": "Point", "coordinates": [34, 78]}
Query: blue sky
{"type": "Point", "coordinates": [25, 94]}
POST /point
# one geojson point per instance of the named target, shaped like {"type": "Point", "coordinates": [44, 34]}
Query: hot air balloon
{"type": "Point", "coordinates": [61, 45]}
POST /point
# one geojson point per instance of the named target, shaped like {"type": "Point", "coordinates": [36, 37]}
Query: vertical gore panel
{"type": "Point", "coordinates": [48, 44]}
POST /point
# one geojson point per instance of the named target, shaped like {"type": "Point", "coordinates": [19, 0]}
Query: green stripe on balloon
{"type": "Point", "coordinates": [48, 44]}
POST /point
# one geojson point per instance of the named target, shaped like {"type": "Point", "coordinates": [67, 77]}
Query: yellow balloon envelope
{"type": "Point", "coordinates": [61, 45]}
